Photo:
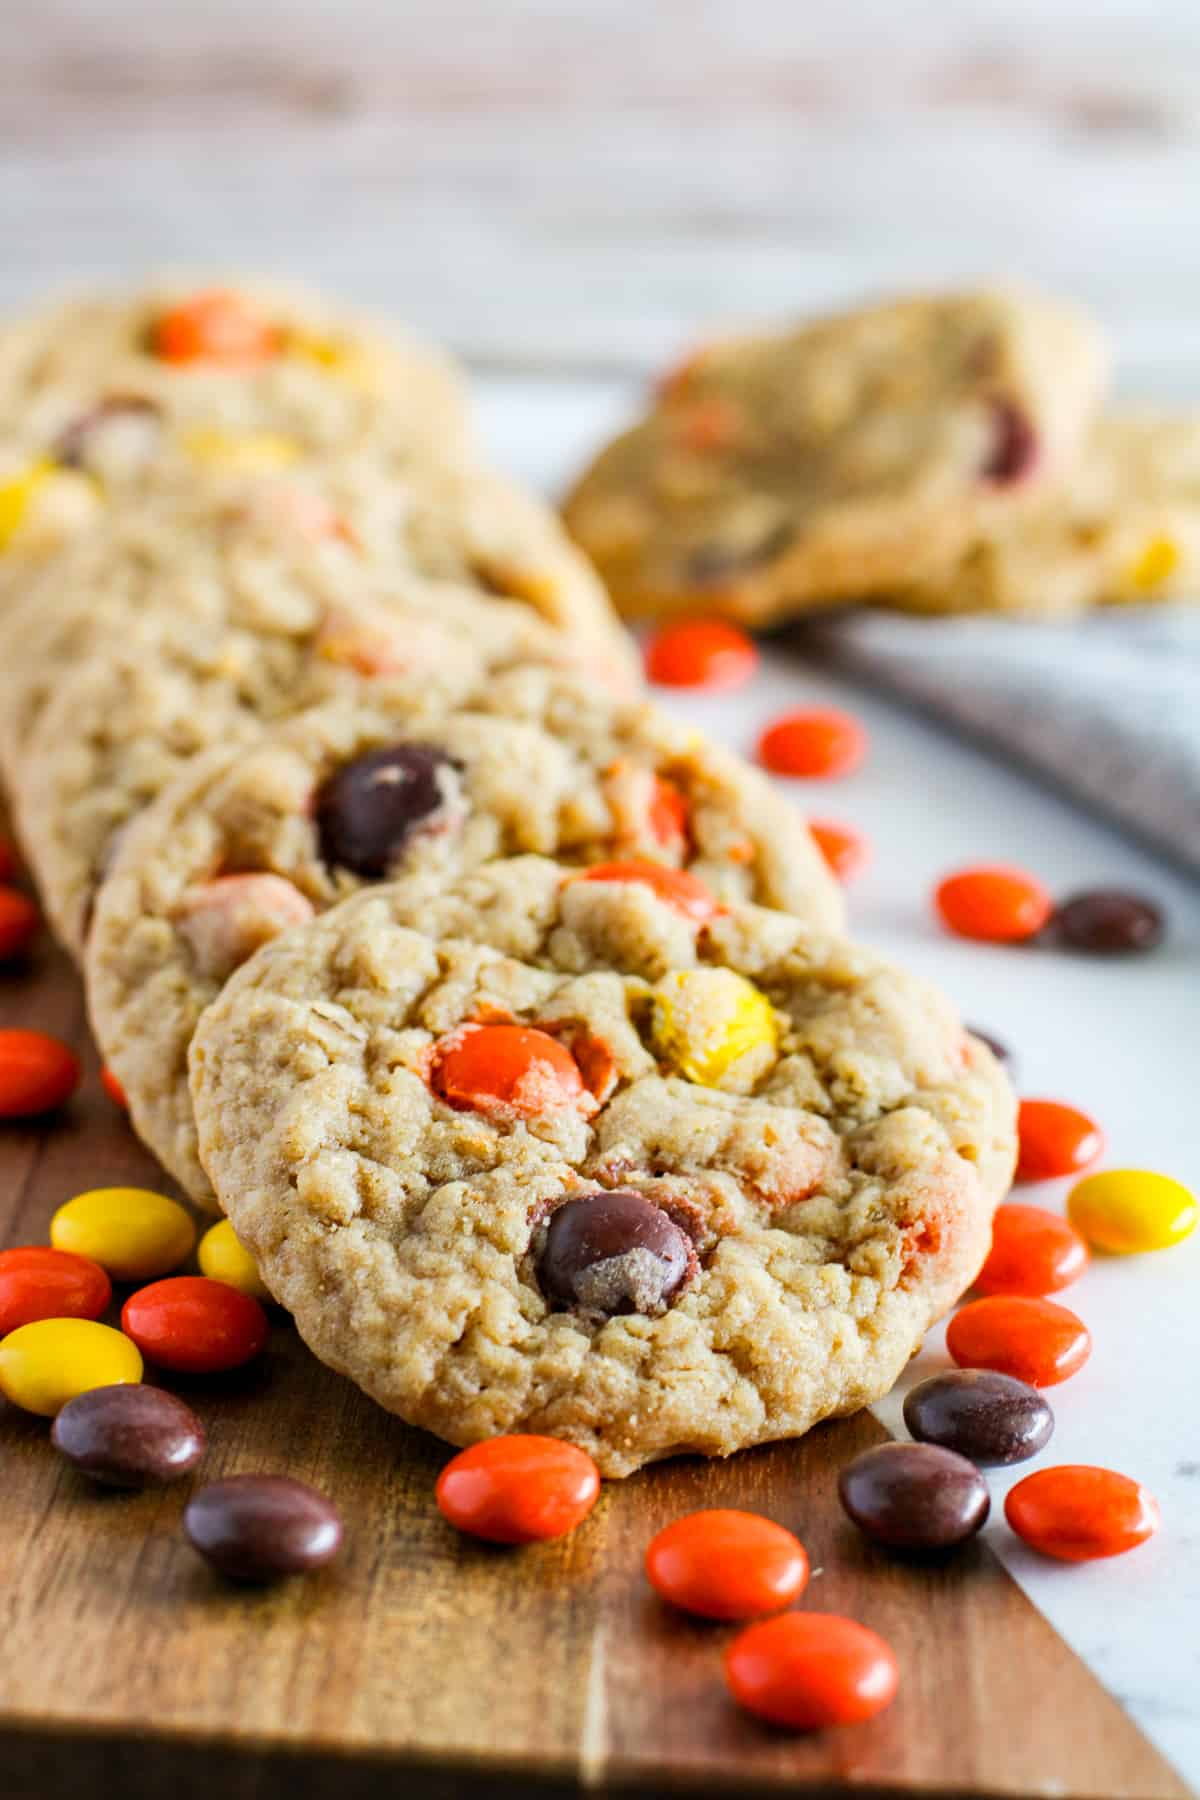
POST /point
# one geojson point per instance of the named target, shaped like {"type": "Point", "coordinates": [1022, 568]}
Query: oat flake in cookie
{"type": "Point", "coordinates": [543, 1153]}
{"type": "Point", "coordinates": [777, 473]}
{"type": "Point", "coordinates": [254, 838]}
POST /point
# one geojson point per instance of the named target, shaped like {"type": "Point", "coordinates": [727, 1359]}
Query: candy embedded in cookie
{"type": "Point", "coordinates": [368, 810]}
{"type": "Point", "coordinates": [611, 1252]}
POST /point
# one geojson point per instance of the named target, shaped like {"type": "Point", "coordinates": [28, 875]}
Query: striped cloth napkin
{"type": "Point", "coordinates": [1109, 706]}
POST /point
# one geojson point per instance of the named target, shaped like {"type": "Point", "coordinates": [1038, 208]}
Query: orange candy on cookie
{"type": "Point", "coordinates": [675, 887]}
{"type": "Point", "coordinates": [507, 1069]}
{"type": "Point", "coordinates": [216, 327]}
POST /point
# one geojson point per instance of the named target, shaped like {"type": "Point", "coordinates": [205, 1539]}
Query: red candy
{"type": "Point", "coordinates": [674, 886]}
{"type": "Point", "coordinates": [113, 1088]}
{"type": "Point", "coordinates": [195, 1326]}
{"type": "Point", "coordinates": [518, 1489]}
{"type": "Point", "coordinates": [37, 1282]}
{"type": "Point", "coordinates": [1033, 1252]}
{"type": "Point", "coordinates": [514, 1069]}
{"type": "Point", "coordinates": [845, 850]}
{"type": "Point", "coordinates": [1034, 1340]}
{"type": "Point", "coordinates": [9, 862]}
{"type": "Point", "coordinates": [813, 742]}
{"type": "Point", "coordinates": [704, 653]}
{"type": "Point", "coordinates": [219, 328]}
{"type": "Point", "coordinates": [1077, 1513]}
{"type": "Point", "coordinates": [37, 1073]}
{"type": "Point", "coordinates": [19, 921]}
{"type": "Point", "coordinates": [994, 903]}
{"type": "Point", "coordinates": [1055, 1140]}
{"type": "Point", "coordinates": [725, 1564]}
{"type": "Point", "coordinates": [809, 1670]}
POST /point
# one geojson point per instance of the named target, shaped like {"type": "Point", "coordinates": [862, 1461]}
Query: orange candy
{"type": "Point", "coordinates": [194, 1325]}
{"type": "Point", "coordinates": [518, 1489]}
{"type": "Point", "coordinates": [669, 815]}
{"type": "Point", "coordinates": [994, 903]}
{"type": "Point", "coordinates": [513, 1069]}
{"type": "Point", "coordinates": [1078, 1513]}
{"type": "Point", "coordinates": [726, 1564]}
{"type": "Point", "coordinates": [8, 859]}
{"type": "Point", "coordinates": [1033, 1252]}
{"type": "Point", "coordinates": [37, 1073]}
{"type": "Point", "coordinates": [113, 1088]}
{"type": "Point", "coordinates": [673, 886]}
{"type": "Point", "coordinates": [701, 653]}
{"type": "Point", "coordinates": [37, 1282]}
{"type": "Point", "coordinates": [845, 850]}
{"type": "Point", "coordinates": [1055, 1140]}
{"type": "Point", "coordinates": [19, 923]}
{"type": "Point", "coordinates": [809, 1670]}
{"type": "Point", "coordinates": [815, 742]}
{"type": "Point", "coordinates": [1031, 1339]}
{"type": "Point", "coordinates": [215, 328]}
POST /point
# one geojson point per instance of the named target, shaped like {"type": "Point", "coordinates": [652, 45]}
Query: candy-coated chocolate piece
{"type": "Point", "coordinates": [47, 1363]}
{"type": "Point", "coordinates": [194, 1325]}
{"type": "Point", "coordinates": [9, 860]}
{"type": "Point", "coordinates": [817, 743]}
{"type": "Point", "coordinates": [37, 1282]}
{"type": "Point", "coordinates": [994, 903]}
{"type": "Point", "coordinates": [223, 1257]}
{"type": "Point", "coordinates": [217, 327]}
{"type": "Point", "coordinates": [676, 887]}
{"type": "Point", "coordinates": [19, 923]}
{"type": "Point", "coordinates": [1033, 1252]}
{"type": "Point", "coordinates": [845, 850]}
{"type": "Point", "coordinates": [1037, 1341]}
{"type": "Point", "coordinates": [701, 653]}
{"type": "Point", "coordinates": [1055, 1140]}
{"type": "Point", "coordinates": [259, 1528]}
{"type": "Point", "coordinates": [37, 1073]}
{"type": "Point", "coordinates": [991, 1418]}
{"type": "Point", "coordinates": [1108, 922]}
{"type": "Point", "coordinates": [808, 1670]}
{"type": "Point", "coordinates": [134, 1233]}
{"type": "Point", "coordinates": [613, 1252]}
{"type": "Point", "coordinates": [1126, 1211]}
{"type": "Point", "coordinates": [368, 809]}
{"type": "Point", "coordinates": [113, 1088]}
{"type": "Point", "coordinates": [725, 1564]}
{"type": "Point", "coordinates": [714, 1026]}
{"type": "Point", "coordinates": [914, 1496]}
{"type": "Point", "coordinates": [17, 495]}
{"type": "Point", "coordinates": [129, 1437]}
{"type": "Point", "coordinates": [1078, 1514]}
{"type": "Point", "coordinates": [518, 1489]}
{"type": "Point", "coordinates": [513, 1070]}
{"type": "Point", "coordinates": [224, 921]}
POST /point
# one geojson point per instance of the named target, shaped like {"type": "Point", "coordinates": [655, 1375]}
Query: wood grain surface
{"type": "Point", "coordinates": [425, 1664]}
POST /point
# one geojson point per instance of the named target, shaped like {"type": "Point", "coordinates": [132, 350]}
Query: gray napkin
{"type": "Point", "coordinates": [1108, 706]}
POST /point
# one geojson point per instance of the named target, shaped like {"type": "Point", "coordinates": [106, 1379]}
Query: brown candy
{"type": "Point", "coordinates": [261, 1527]}
{"type": "Point", "coordinates": [1109, 922]}
{"type": "Point", "coordinates": [129, 1436]}
{"type": "Point", "coordinates": [999, 1050]}
{"type": "Point", "coordinates": [1014, 451]}
{"type": "Point", "coordinates": [119, 435]}
{"type": "Point", "coordinates": [914, 1496]}
{"type": "Point", "coordinates": [613, 1252]}
{"type": "Point", "coordinates": [988, 1417]}
{"type": "Point", "coordinates": [369, 808]}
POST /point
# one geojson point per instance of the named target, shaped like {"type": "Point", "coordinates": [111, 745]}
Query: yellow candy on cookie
{"type": "Point", "coordinates": [240, 453]}
{"type": "Point", "coordinates": [714, 1027]}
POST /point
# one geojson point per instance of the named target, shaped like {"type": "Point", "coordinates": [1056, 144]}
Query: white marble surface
{"type": "Point", "coordinates": [1121, 1040]}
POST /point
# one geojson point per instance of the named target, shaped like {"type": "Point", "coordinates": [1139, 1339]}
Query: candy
{"type": "Point", "coordinates": [989, 1417]}
{"type": "Point", "coordinates": [714, 1026]}
{"type": "Point", "coordinates": [19, 923]}
{"type": "Point", "coordinates": [914, 1496]}
{"type": "Point", "coordinates": [1033, 1252]}
{"type": "Point", "coordinates": [704, 653]}
{"type": "Point", "coordinates": [194, 1325]}
{"type": "Point", "coordinates": [115, 439]}
{"type": "Point", "coordinates": [132, 1232]}
{"type": "Point", "coordinates": [223, 1257]}
{"type": "Point", "coordinates": [240, 453]}
{"type": "Point", "coordinates": [1106, 922]}
{"type": "Point", "coordinates": [37, 1282]}
{"type": "Point", "coordinates": [129, 1437]}
{"type": "Point", "coordinates": [9, 861]}
{"type": "Point", "coordinates": [725, 1564]}
{"type": "Point", "coordinates": [508, 1070]}
{"type": "Point", "coordinates": [1014, 452]}
{"type": "Point", "coordinates": [817, 743]}
{"type": "Point", "coordinates": [518, 1489]}
{"type": "Point", "coordinates": [675, 887]}
{"type": "Point", "coordinates": [37, 1073]}
{"type": "Point", "coordinates": [993, 903]}
{"type": "Point", "coordinates": [224, 921]}
{"type": "Point", "coordinates": [47, 1363]}
{"type": "Point", "coordinates": [613, 1252]}
{"type": "Point", "coordinates": [113, 1088]}
{"type": "Point", "coordinates": [1126, 1211]}
{"type": "Point", "coordinates": [262, 1527]}
{"type": "Point", "coordinates": [1156, 563]}
{"type": "Point", "coordinates": [1078, 1514]}
{"type": "Point", "coordinates": [845, 850]}
{"type": "Point", "coordinates": [808, 1670]}
{"type": "Point", "coordinates": [999, 1050]}
{"type": "Point", "coordinates": [1034, 1340]}
{"type": "Point", "coordinates": [668, 815]}
{"type": "Point", "coordinates": [216, 327]}
{"type": "Point", "coordinates": [1055, 1140]}
{"type": "Point", "coordinates": [367, 810]}
{"type": "Point", "coordinates": [15, 497]}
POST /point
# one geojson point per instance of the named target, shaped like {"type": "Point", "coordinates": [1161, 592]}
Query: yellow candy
{"type": "Point", "coordinates": [45, 1364]}
{"type": "Point", "coordinates": [15, 496]}
{"type": "Point", "coordinates": [244, 453]}
{"type": "Point", "coordinates": [1156, 564]}
{"type": "Point", "coordinates": [341, 358]}
{"type": "Point", "coordinates": [223, 1257]}
{"type": "Point", "coordinates": [133, 1233]}
{"type": "Point", "coordinates": [714, 1027]}
{"type": "Point", "coordinates": [1129, 1210]}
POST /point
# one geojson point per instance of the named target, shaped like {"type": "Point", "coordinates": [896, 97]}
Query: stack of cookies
{"type": "Point", "coordinates": [511, 1023]}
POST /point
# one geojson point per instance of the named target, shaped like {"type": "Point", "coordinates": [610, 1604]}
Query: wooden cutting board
{"type": "Point", "coordinates": [427, 1665]}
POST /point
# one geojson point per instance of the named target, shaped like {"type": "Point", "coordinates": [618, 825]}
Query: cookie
{"type": "Point", "coordinates": [542, 1153]}
{"type": "Point", "coordinates": [779, 473]}
{"type": "Point", "coordinates": [1121, 528]}
{"type": "Point", "coordinates": [252, 839]}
